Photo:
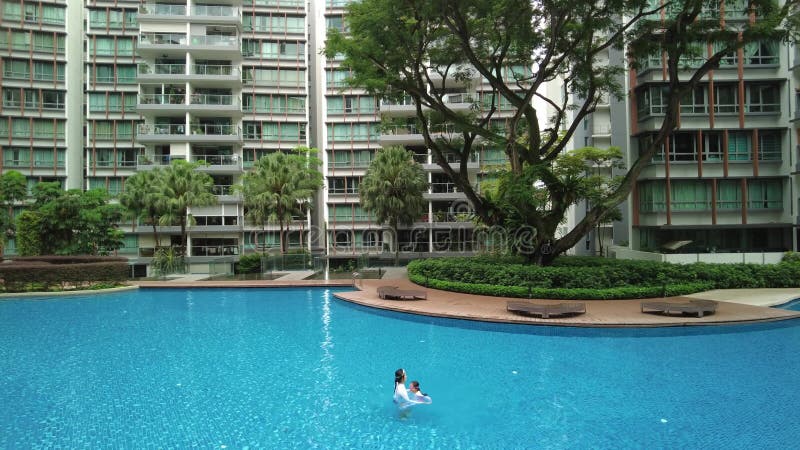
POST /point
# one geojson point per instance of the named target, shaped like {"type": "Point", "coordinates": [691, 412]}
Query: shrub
{"type": "Point", "coordinates": [44, 272]}
{"type": "Point", "coordinates": [250, 263]}
{"type": "Point", "coordinates": [594, 278]}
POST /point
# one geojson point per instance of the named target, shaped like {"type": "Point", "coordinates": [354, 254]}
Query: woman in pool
{"type": "Point", "coordinates": [401, 397]}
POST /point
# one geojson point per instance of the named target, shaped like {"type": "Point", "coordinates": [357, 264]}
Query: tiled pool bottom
{"type": "Point", "coordinates": [294, 368]}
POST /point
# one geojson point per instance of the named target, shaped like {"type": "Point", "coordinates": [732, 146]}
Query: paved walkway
{"type": "Point", "coordinates": [735, 305]}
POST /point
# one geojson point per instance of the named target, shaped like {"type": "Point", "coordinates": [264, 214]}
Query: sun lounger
{"type": "Point", "coordinates": [699, 307]}
{"type": "Point", "coordinates": [546, 310]}
{"type": "Point", "coordinates": [394, 293]}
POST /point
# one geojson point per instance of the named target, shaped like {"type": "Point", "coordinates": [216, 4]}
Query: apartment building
{"type": "Point", "coordinates": [723, 182]}
{"type": "Point", "coordinates": [723, 188]}
{"type": "Point", "coordinates": [228, 81]}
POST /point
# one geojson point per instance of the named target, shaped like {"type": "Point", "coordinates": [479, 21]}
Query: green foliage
{"type": "Point", "coordinates": [143, 200]}
{"type": "Point", "coordinates": [791, 258]}
{"type": "Point", "coordinates": [280, 187]}
{"type": "Point", "coordinates": [180, 187]}
{"type": "Point", "coordinates": [167, 261]}
{"type": "Point", "coordinates": [70, 222]}
{"type": "Point", "coordinates": [590, 278]}
{"type": "Point", "coordinates": [250, 263]}
{"type": "Point", "coordinates": [13, 188]}
{"type": "Point", "coordinates": [414, 48]}
{"type": "Point", "coordinates": [392, 189]}
{"type": "Point", "coordinates": [43, 273]}
{"type": "Point", "coordinates": [28, 239]}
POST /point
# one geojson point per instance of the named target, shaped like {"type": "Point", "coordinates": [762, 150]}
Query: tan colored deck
{"type": "Point", "coordinates": [599, 313]}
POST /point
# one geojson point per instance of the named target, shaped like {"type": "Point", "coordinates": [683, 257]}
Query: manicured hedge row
{"type": "Point", "coordinates": [587, 277]}
{"type": "Point", "coordinates": [563, 293]}
{"type": "Point", "coordinates": [45, 272]}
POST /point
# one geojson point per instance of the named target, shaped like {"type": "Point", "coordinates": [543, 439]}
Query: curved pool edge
{"type": "Point", "coordinates": [599, 313]}
{"type": "Point", "coordinates": [16, 295]}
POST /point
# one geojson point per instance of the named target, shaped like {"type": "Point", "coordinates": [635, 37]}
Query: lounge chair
{"type": "Point", "coordinates": [394, 293]}
{"type": "Point", "coordinates": [699, 307]}
{"type": "Point", "coordinates": [546, 310]}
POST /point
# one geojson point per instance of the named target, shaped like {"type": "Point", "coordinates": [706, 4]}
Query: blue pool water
{"type": "Point", "coordinates": [296, 368]}
{"type": "Point", "coordinates": [793, 305]}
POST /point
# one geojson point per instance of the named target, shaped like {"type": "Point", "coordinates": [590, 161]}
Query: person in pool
{"type": "Point", "coordinates": [401, 397]}
{"type": "Point", "coordinates": [416, 394]}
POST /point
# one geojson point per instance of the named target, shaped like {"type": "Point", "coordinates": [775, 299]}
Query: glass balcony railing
{"type": "Point", "coordinates": [223, 189]}
{"type": "Point", "coordinates": [214, 99]}
{"type": "Point", "coordinates": [162, 99]}
{"type": "Point", "coordinates": [215, 130]}
{"type": "Point", "coordinates": [162, 69]}
{"type": "Point", "coordinates": [214, 11]}
{"type": "Point", "coordinates": [162, 39]}
{"type": "Point", "coordinates": [166, 129]}
{"type": "Point", "coordinates": [218, 160]}
{"type": "Point", "coordinates": [215, 70]}
{"type": "Point", "coordinates": [216, 41]}
{"type": "Point", "coordinates": [160, 9]}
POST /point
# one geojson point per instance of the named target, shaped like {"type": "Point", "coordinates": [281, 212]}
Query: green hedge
{"type": "Point", "coordinates": [594, 278]}
{"type": "Point", "coordinates": [42, 273]}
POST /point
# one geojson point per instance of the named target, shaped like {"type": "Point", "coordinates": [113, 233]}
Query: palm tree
{"type": "Point", "coordinates": [392, 190]}
{"type": "Point", "coordinates": [142, 198]}
{"type": "Point", "coordinates": [183, 187]}
{"type": "Point", "coordinates": [281, 186]}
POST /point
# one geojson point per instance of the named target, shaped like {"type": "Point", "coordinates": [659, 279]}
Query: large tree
{"type": "Point", "coordinates": [419, 48]}
{"type": "Point", "coordinates": [392, 190]}
{"type": "Point", "coordinates": [280, 187]}
{"type": "Point", "coordinates": [182, 187]}
{"type": "Point", "coordinates": [69, 222]}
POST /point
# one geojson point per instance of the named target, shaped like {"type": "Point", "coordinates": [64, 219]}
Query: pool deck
{"type": "Point", "coordinates": [735, 305]}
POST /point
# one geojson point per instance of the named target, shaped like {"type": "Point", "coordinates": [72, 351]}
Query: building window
{"type": "Point", "coordinates": [695, 101]}
{"type": "Point", "coordinates": [764, 194]}
{"type": "Point", "coordinates": [763, 98]}
{"type": "Point", "coordinates": [726, 99]}
{"type": "Point", "coordinates": [739, 146]}
{"type": "Point", "coordinates": [652, 196]}
{"type": "Point", "coordinates": [761, 53]}
{"type": "Point", "coordinates": [769, 146]}
{"type": "Point", "coordinates": [729, 195]}
{"type": "Point", "coordinates": [343, 239]}
{"type": "Point", "coordinates": [690, 195]}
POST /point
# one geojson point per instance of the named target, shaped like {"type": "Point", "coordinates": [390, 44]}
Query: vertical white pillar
{"type": "Point", "coordinates": [74, 95]}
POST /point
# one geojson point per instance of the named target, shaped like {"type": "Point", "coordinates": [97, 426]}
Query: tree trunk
{"type": "Point", "coordinates": [155, 232]}
{"type": "Point", "coordinates": [280, 236]}
{"type": "Point", "coordinates": [396, 243]}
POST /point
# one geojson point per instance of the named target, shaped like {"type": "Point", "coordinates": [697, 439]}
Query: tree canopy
{"type": "Point", "coordinates": [72, 222]}
{"type": "Point", "coordinates": [392, 190]}
{"type": "Point", "coordinates": [422, 48]}
{"type": "Point", "coordinates": [281, 187]}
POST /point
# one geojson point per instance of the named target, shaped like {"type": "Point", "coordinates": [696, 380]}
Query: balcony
{"type": "Point", "coordinates": [161, 133]}
{"type": "Point", "coordinates": [214, 105]}
{"type": "Point", "coordinates": [162, 103]}
{"type": "Point", "coordinates": [401, 135]}
{"type": "Point", "coordinates": [219, 163]}
{"type": "Point", "coordinates": [215, 46]}
{"type": "Point", "coordinates": [163, 44]}
{"type": "Point", "coordinates": [226, 194]}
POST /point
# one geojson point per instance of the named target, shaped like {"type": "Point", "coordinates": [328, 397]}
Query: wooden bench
{"type": "Point", "coordinates": [546, 310]}
{"type": "Point", "coordinates": [699, 307]}
{"type": "Point", "coordinates": [394, 293]}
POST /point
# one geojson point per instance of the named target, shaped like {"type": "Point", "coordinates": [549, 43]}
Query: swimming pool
{"type": "Point", "coordinates": [296, 368]}
{"type": "Point", "coordinates": [793, 305]}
